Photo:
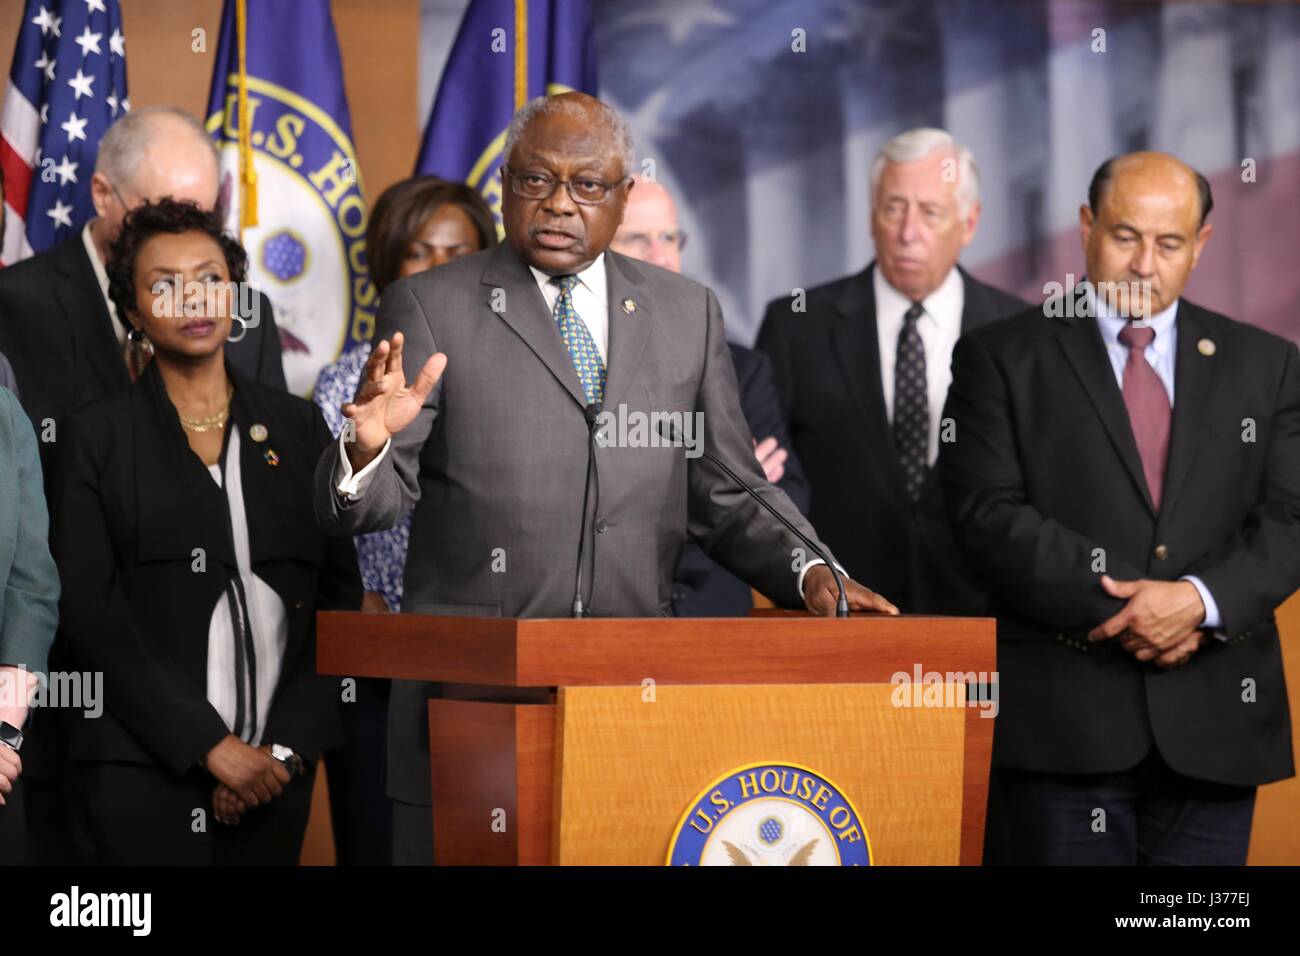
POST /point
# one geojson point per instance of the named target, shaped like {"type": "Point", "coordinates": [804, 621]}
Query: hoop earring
{"type": "Point", "coordinates": [138, 351]}
{"type": "Point", "coordinates": [243, 328]}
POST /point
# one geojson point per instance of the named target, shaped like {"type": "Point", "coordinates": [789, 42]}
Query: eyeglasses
{"type": "Point", "coordinates": [113, 186]}
{"type": "Point", "coordinates": [639, 243]}
{"type": "Point", "coordinates": [585, 192]}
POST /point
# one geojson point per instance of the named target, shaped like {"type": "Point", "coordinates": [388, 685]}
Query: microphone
{"type": "Point", "coordinates": [589, 413]}
{"type": "Point", "coordinates": [668, 430]}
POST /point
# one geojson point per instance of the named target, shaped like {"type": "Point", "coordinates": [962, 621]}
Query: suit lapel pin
{"type": "Point", "coordinates": [271, 457]}
{"type": "Point", "coordinates": [1206, 347]}
{"type": "Point", "coordinates": [629, 306]}
{"type": "Point", "coordinates": [257, 432]}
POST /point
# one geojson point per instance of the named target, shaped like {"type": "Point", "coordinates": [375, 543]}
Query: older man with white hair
{"type": "Point", "coordinates": [863, 367]}
{"type": "Point", "coordinates": [58, 327]}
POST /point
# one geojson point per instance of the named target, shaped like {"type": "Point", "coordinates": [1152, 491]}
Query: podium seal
{"type": "Point", "coordinates": [770, 814]}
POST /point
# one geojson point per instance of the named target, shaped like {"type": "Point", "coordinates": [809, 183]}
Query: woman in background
{"type": "Point", "coordinates": [416, 224]}
{"type": "Point", "coordinates": [192, 571]}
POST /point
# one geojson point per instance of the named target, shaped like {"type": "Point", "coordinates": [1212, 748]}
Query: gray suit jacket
{"type": "Point", "coordinates": [497, 460]}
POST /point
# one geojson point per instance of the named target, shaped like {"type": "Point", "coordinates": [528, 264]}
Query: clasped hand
{"type": "Point", "coordinates": [247, 777]}
{"type": "Point", "coordinates": [1159, 623]}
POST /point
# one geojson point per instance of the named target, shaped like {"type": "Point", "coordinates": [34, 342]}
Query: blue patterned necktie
{"type": "Point", "coordinates": [577, 339]}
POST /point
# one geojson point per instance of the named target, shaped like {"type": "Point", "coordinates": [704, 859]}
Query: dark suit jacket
{"type": "Point", "coordinates": [131, 503]}
{"type": "Point", "coordinates": [56, 331]}
{"type": "Point", "coordinates": [827, 362]}
{"type": "Point", "coordinates": [701, 586]}
{"type": "Point", "coordinates": [1044, 483]}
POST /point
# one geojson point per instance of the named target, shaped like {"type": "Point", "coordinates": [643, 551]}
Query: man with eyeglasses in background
{"type": "Point", "coordinates": [57, 326]}
{"type": "Point", "coordinates": [701, 587]}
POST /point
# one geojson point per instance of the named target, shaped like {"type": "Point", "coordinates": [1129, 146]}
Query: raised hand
{"type": "Point", "coordinates": [384, 403]}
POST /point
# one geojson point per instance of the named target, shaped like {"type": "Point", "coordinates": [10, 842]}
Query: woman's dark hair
{"type": "Point", "coordinates": [403, 208]}
{"type": "Point", "coordinates": [174, 217]}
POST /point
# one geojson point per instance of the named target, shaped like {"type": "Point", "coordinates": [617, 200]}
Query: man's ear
{"type": "Point", "coordinates": [971, 222]}
{"type": "Point", "coordinates": [101, 194]}
{"type": "Point", "coordinates": [1086, 223]}
{"type": "Point", "coordinates": [1202, 237]}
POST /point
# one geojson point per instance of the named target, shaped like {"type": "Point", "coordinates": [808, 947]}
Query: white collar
{"type": "Point", "coordinates": [1111, 325]}
{"type": "Point", "coordinates": [944, 302]}
{"type": "Point", "coordinates": [593, 277]}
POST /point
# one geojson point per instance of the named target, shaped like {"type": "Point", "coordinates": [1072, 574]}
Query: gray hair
{"type": "Point", "coordinates": [918, 143]}
{"type": "Point", "coordinates": [123, 146]}
{"type": "Point", "coordinates": [609, 119]}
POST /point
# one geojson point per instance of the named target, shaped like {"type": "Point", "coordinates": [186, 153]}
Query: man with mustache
{"type": "Point", "coordinates": [473, 406]}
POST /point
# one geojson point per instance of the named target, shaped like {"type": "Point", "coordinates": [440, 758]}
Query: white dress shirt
{"type": "Point", "coordinates": [266, 614]}
{"type": "Point", "coordinates": [939, 327]}
{"type": "Point", "coordinates": [1160, 355]}
{"type": "Point", "coordinates": [96, 263]}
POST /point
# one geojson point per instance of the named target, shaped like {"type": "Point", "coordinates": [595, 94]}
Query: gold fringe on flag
{"type": "Point", "coordinates": [247, 172]}
{"type": "Point", "coordinates": [521, 52]}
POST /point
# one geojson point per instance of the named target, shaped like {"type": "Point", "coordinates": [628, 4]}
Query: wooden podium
{"type": "Point", "coordinates": [585, 741]}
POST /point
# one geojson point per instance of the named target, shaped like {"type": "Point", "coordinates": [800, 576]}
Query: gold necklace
{"type": "Point", "coordinates": [212, 422]}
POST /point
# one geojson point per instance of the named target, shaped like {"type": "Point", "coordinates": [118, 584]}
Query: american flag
{"type": "Point", "coordinates": [66, 86]}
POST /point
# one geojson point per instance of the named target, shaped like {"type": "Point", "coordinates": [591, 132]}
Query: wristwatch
{"type": "Point", "coordinates": [10, 736]}
{"type": "Point", "coordinates": [291, 761]}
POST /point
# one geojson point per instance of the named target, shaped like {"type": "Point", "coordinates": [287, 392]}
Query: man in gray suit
{"type": "Point", "coordinates": [508, 352]}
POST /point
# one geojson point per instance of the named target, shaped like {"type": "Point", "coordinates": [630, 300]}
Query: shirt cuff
{"type": "Point", "coordinates": [812, 564]}
{"type": "Point", "coordinates": [1213, 622]}
{"type": "Point", "coordinates": [353, 486]}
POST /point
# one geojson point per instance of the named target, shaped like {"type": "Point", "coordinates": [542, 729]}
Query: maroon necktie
{"type": "Point", "coordinates": [1148, 407]}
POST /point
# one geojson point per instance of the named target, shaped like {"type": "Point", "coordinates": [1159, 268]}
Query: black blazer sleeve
{"type": "Point", "coordinates": [1258, 567]}
{"type": "Point", "coordinates": [156, 702]}
{"type": "Point", "coordinates": [340, 580]}
{"type": "Point", "coordinates": [257, 355]}
{"type": "Point", "coordinates": [1040, 566]}
{"type": "Point", "coordinates": [301, 715]}
{"type": "Point", "coordinates": [771, 342]}
{"type": "Point", "coordinates": [761, 403]}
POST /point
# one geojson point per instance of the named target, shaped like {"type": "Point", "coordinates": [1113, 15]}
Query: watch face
{"type": "Point", "coordinates": [10, 736]}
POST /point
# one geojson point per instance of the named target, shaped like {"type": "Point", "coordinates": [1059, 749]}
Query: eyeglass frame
{"type": "Point", "coordinates": [566, 183]}
{"type": "Point", "coordinates": [678, 241]}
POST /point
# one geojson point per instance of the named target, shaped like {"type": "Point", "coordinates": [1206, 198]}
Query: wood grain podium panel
{"type": "Point", "coordinates": [629, 769]}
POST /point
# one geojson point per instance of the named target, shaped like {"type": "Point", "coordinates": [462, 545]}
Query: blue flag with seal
{"type": "Point", "coordinates": [506, 52]}
{"type": "Point", "coordinates": [291, 184]}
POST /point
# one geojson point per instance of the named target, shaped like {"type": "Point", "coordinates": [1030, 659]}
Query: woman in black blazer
{"type": "Point", "coordinates": [192, 571]}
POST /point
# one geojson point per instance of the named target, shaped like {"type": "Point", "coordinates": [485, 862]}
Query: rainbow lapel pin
{"type": "Point", "coordinates": [271, 457]}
